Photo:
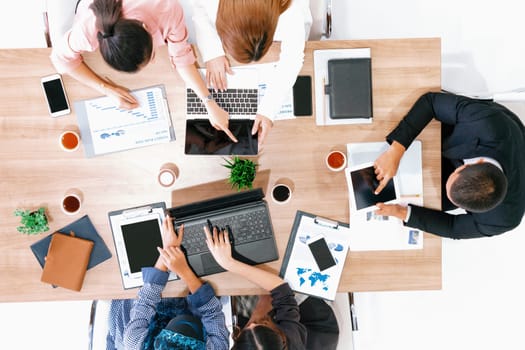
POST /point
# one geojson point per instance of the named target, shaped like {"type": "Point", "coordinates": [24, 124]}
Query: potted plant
{"type": "Point", "coordinates": [242, 172]}
{"type": "Point", "coordinates": [32, 222]}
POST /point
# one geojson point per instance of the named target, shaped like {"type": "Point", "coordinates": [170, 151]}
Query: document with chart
{"type": "Point", "coordinates": [106, 128]}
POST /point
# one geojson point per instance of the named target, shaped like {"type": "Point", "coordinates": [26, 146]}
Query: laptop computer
{"type": "Point", "coordinates": [244, 215]}
{"type": "Point", "coordinates": [240, 100]}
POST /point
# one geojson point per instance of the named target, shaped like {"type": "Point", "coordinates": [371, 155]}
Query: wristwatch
{"type": "Point", "coordinates": [207, 99]}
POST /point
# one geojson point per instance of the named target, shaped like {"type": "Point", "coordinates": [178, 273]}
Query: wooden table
{"type": "Point", "coordinates": [36, 172]}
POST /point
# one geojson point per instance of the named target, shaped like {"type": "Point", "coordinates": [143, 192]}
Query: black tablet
{"type": "Point", "coordinates": [363, 182]}
{"type": "Point", "coordinates": [202, 138]}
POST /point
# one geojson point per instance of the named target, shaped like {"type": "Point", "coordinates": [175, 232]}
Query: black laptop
{"type": "Point", "coordinates": [244, 215]}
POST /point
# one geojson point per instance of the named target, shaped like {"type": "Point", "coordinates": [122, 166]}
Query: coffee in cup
{"type": "Point", "coordinates": [336, 160]}
{"type": "Point", "coordinates": [69, 140]}
{"type": "Point", "coordinates": [71, 202]}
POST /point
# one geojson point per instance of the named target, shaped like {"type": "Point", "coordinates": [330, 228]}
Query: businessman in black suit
{"type": "Point", "coordinates": [483, 163]}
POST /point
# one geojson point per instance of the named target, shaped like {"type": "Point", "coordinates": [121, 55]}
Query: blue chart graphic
{"type": "Point", "coordinates": [111, 121]}
{"type": "Point", "coordinates": [316, 279]}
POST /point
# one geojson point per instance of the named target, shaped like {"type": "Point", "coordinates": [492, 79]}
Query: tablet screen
{"type": "Point", "coordinates": [202, 138]}
{"type": "Point", "coordinates": [364, 183]}
{"type": "Point", "coordinates": [141, 240]}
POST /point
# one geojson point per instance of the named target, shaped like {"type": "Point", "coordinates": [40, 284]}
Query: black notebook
{"type": "Point", "coordinates": [83, 228]}
{"type": "Point", "coordinates": [349, 88]}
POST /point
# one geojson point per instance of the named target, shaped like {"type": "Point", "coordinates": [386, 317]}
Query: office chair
{"type": "Point", "coordinates": [58, 18]}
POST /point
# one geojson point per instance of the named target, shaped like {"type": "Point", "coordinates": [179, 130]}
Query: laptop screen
{"type": "Point", "coordinates": [202, 138]}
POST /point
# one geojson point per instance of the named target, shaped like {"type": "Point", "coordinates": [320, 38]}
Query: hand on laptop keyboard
{"type": "Point", "coordinates": [216, 70]}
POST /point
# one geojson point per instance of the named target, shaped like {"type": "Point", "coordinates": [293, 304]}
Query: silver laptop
{"type": "Point", "coordinates": [240, 100]}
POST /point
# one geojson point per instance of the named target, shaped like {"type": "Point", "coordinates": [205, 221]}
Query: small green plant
{"type": "Point", "coordinates": [32, 222]}
{"type": "Point", "coordinates": [242, 172]}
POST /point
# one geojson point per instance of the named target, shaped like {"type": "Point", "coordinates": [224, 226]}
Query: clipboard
{"type": "Point", "coordinates": [299, 268]}
{"type": "Point", "coordinates": [137, 234]}
{"type": "Point", "coordinates": [105, 128]}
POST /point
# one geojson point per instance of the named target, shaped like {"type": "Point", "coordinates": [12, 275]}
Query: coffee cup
{"type": "Point", "coordinates": [168, 173]}
{"type": "Point", "coordinates": [69, 140]}
{"type": "Point", "coordinates": [71, 202]}
{"type": "Point", "coordinates": [336, 160]}
{"type": "Point", "coordinates": [282, 191]}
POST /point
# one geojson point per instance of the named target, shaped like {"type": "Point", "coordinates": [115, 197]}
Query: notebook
{"type": "Point", "coordinates": [246, 217]}
{"type": "Point", "coordinates": [83, 228]}
{"type": "Point", "coordinates": [67, 261]}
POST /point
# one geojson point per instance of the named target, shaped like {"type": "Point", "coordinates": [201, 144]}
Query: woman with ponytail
{"type": "Point", "coordinates": [127, 32]}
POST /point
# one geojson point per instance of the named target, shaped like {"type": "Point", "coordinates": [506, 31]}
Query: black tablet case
{"type": "Point", "coordinates": [83, 228]}
{"type": "Point", "coordinates": [350, 88]}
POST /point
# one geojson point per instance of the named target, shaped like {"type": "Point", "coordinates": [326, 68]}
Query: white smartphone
{"type": "Point", "coordinates": [55, 93]}
{"type": "Point", "coordinates": [321, 252]}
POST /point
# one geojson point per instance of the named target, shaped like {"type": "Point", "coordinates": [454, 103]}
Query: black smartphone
{"type": "Point", "coordinates": [302, 96]}
{"type": "Point", "coordinates": [321, 252]}
{"type": "Point", "coordinates": [55, 95]}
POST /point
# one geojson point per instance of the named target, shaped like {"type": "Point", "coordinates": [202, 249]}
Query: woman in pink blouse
{"type": "Point", "coordinates": [127, 33]}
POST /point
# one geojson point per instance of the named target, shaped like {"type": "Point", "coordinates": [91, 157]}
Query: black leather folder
{"type": "Point", "coordinates": [349, 88]}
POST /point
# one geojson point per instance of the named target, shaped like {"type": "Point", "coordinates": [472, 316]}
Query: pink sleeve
{"type": "Point", "coordinates": [176, 35]}
{"type": "Point", "coordinates": [66, 54]}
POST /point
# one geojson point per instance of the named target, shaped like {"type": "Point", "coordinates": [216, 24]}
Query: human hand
{"type": "Point", "coordinates": [395, 210]}
{"type": "Point", "coordinates": [261, 125]}
{"type": "Point", "coordinates": [175, 260]}
{"type": "Point", "coordinates": [169, 237]}
{"type": "Point", "coordinates": [219, 246]}
{"type": "Point", "coordinates": [219, 119]}
{"type": "Point", "coordinates": [386, 165]}
{"type": "Point", "coordinates": [216, 70]}
{"type": "Point", "coordinates": [125, 99]}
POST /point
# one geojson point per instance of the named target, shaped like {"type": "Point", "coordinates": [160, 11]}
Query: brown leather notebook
{"type": "Point", "coordinates": [66, 261]}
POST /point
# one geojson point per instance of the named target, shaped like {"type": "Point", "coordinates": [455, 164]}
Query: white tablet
{"type": "Point", "coordinates": [137, 235]}
{"type": "Point", "coordinates": [362, 183]}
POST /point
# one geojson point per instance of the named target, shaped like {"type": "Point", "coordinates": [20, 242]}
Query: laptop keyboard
{"type": "Point", "coordinates": [249, 226]}
{"type": "Point", "coordinates": [233, 101]}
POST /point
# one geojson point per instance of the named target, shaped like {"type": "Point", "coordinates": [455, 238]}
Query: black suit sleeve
{"type": "Point", "coordinates": [444, 107]}
{"type": "Point", "coordinates": [452, 226]}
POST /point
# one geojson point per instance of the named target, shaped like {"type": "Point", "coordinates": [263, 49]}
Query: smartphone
{"type": "Point", "coordinates": [55, 93]}
{"type": "Point", "coordinates": [321, 252]}
{"type": "Point", "coordinates": [302, 96]}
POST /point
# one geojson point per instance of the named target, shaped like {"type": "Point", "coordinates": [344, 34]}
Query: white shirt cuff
{"type": "Point", "coordinates": [409, 211]}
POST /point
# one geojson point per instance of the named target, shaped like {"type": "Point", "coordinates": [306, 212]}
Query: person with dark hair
{"type": "Point", "coordinates": [245, 30]}
{"type": "Point", "coordinates": [153, 322]}
{"type": "Point", "coordinates": [483, 164]}
{"type": "Point", "coordinates": [276, 322]}
{"type": "Point", "coordinates": [127, 32]}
